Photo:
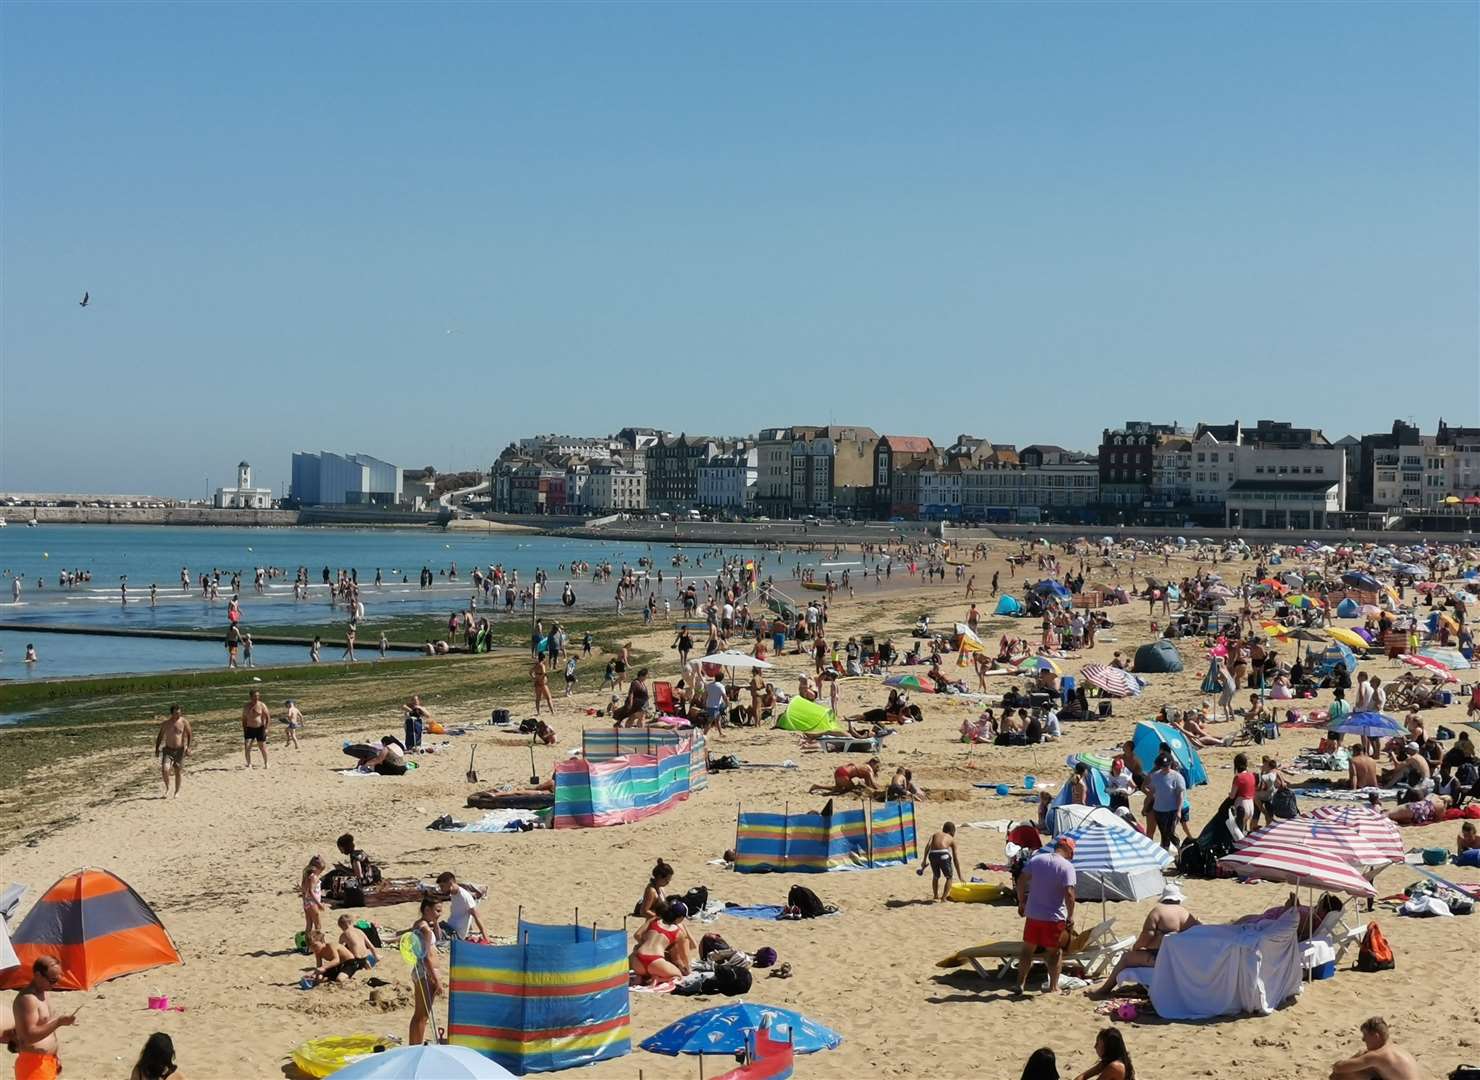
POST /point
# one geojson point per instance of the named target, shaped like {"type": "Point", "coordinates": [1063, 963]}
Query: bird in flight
{"type": "Point", "coordinates": [83, 301]}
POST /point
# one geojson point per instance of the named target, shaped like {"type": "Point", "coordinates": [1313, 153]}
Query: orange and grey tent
{"type": "Point", "coordinates": [97, 926]}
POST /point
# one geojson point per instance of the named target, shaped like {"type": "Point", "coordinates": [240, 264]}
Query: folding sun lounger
{"type": "Point", "coordinates": [1095, 951]}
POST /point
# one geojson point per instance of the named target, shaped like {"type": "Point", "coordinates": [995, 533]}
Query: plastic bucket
{"type": "Point", "coordinates": [1030, 782]}
{"type": "Point", "coordinates": [1003, 789]}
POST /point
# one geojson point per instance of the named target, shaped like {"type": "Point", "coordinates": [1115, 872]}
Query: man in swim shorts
{"type": "Point", "coordinates": [172, 743]}
{"type": "Point", "coordinates": [255, 719]}
{"type": "Point", "coordinates": [35, 1031]}
{"type": "Point", "coordinates": [1046, 901]}
{"type": "Point", "coordinates": [942, 858]}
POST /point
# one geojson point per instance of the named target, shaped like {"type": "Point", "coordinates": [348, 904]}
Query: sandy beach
{"type": "Point", "coordinates": [221, 866]}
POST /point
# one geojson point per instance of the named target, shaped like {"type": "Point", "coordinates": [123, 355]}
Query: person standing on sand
{"type": "Point", "coordinates": [943, 859]}
{"type": "Point", "coordinates": [424, 978]}
{"type": "Point", "coordinates": [1046, 902]}
{"type": "Point", "coordinates": [172, 743]}
{"type": "Point", "coordinates": [35, 1036]}
{"type": "Point", "coordinates": [255, 718]}
{"type": "Point", "coordinates": [293, 720]}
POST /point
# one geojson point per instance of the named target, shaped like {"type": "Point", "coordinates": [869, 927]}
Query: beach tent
{"type": "Point", "coordinates": [1097, 789]}
{"type": "Point", "coordinates": [1008, 605]}
{"type": "Point", "coordinates": [1117, 863]}
{"type": "Point", "coordinates": [1211, 684]}
{"type": "Point", "coordinates": [98, 928]}
{"type": "Point", "coordinates": [804, 715]}
{"type": "Point", "coordinates": [1158, 657]}
{"type": "Point", "coordinates": [1348, 609]}
{"type": "Point", "coordinates": [1150, 736]}
{"type": "Point", "coordinates": [555, 999]}
{"type": "Point", "coordinates": [1050, 587]}
{"type": "Point", "coordinates": [1061, 819]}
{"type": "Point", "coordinates": [814, 843]}
{"type": "Point", "coordinates": [1324, 662]}
{"type": "Point", "coordinates": [1227, 969]}
{"type": "Point", "coordinates": [8, 959]}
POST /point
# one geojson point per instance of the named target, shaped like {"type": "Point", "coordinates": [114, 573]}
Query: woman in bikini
{"type": "Point", "coordinates": [662, 952]}
{"type": "Point", "coordinates": [654, 897]}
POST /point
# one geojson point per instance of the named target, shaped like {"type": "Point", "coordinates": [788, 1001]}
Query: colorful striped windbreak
{"type": "Point", "coordinates": [603, 744]}
{"type": "Point", "coordinates": [812, 843]}
{"type": "Point", "coordinates": [623, 789]}
{"type": "Point", "coordinates": [97, 926]}
{"type": "Point", "coordinates": [555, 1000]}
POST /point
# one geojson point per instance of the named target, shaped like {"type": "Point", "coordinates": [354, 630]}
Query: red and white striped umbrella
{"type": "Point", "coordinates": [1112, 680]}
{"type": "Point", "coordinates": [1306, 852]}
{"type": "Point", "coordinates": [1429, 664]}
{"type": "Point", "coordinates": [1370, 825]}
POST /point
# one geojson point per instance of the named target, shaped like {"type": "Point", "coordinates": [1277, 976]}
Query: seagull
{"type": "Point", "coordinates": [83, 301]}
{"type": "Point", "coordinates": [454, 330]}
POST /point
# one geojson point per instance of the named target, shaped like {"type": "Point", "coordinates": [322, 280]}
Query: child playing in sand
{"type": "Point", "coordinates": [942, 858]}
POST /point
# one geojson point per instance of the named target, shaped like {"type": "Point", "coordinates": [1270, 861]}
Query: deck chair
{"type": "Point", "coordinates": [1337, 933]}
{"type": "Point", "coordinates": [663, 698]}
{"type": "Point", "coordinates": [1094, 950]}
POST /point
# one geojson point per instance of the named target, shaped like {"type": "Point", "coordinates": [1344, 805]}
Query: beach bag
{"type": "Point", "coordinates": [1374, 954]}
{"type": "Point", "coordinates": [805, 901]}
{"type": "Point", "coordinates": [499, 716]}
{"type": "Point", "coordinates": [696, 899]}
{"type": "Point", "coordinates": [724, 763]}
{"type": "Point", "coordinates": [1197, 860]}
{"type": "Point", "coordinates": [529, 726]}
{"type": "Point", "coordinates": [1465, 1072]}
{"type": "Point", "coordinates": [1284, 804]}
{"type": "Point", "coordinates": [371, 931]}
{"type": "Point", "coordinates": [729, 981]}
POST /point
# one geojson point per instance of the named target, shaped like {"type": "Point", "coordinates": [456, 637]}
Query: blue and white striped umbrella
{"type": "Point", "coordinates": [1122, 851]}
{"type": "Point", "coordinates": [1369, 724]}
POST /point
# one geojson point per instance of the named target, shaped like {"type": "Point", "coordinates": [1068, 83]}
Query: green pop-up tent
{"type": "Point", "coordinates": [804, 715]}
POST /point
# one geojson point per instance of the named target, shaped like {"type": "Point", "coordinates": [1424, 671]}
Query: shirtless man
{"type": "Point", "coordinates": [943, 859]}
{"type": "Point", "coordinates": [255, 719]}
{"type": "Point", "coordinates": [1382, 1060]}
{"type": "Point", "coordinates": [1362, 770]}
{"type": "Point", "coordinates": [1167, 917]}
{"type": "Point", "coordinates": [172, 743]}
{"type": "Point", "coordinates": [35, 1028]}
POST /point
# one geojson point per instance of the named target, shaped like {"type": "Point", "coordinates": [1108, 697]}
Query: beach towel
{"type": "Point", "coordinates": [1344, 795]}
{"type": "Point", "coordinates": [754, 911]}
{"type": "Point", "coordinates": [1227, 970]}
{"type": "Point", "coordinates": [497, 821]}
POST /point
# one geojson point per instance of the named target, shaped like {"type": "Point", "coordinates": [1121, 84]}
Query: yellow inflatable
{"type": "Point", "coordinates": [975, 892]}
{"type": "Point", "coordinates": [326, 1056]}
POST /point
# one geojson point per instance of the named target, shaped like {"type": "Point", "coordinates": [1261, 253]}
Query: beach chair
{"type": "Point", "coordinates": [1335, 933]}
{"type": "Point", "coordinates": [849, 744]}
{"type": "Point", "coordinates": [1094, 951]}
{"type": "Point", "coordinates": [663, 698]}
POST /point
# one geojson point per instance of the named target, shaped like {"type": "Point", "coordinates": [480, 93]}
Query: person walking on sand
{"type": "Point", "coordinates": [34, 1038]}
{"type": "Point", "coordinates": [255, 718]}
{"type": "Point", "coordinates": [171, 744]}
{"type": "Point", "coordinates": [424, 978]}
{"type": "Point", "coordinates": [1046, 903]}
{"type": "Point", "coordinates": [540, 678]}
{"type": "Point", "coordinates": [943, 859]}
{"type": "Point", "coordinates": [247, 650]}
{"type": "Point", "coordinates": [293, 720]}
{"type": "Point", "coordinates": [385, 645]}
{"type": "Point", "coordinates": [1382, 1058]}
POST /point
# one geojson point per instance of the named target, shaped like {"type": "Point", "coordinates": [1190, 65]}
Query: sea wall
{"type": "Point", "coordinates": [970, 534]}
{"type": "Point", "coordinates": [129, 515]}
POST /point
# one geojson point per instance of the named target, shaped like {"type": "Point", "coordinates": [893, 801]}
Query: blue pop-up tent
{"type": "Point", "coordinates": [1008, 605]}
{"type": "Point", "coordinates": [1050, 587]}
{"type": "Point", "coordinates": [1147, 743]}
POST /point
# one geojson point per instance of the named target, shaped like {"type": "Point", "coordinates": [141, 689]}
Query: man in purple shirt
{"type": "Point", "coordinates": [1045, 891]}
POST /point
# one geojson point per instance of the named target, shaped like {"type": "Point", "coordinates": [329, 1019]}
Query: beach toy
{"type": "Point", "coordinates": [1003, 789]}
{"type": "Point", "coordinates": [1030, 782]}
{"type": "Point", "coordinates": [411, 949]}
{"type": "Point", "coordinates": [159, 1003]}
{"type": "Point", "coordinates": [326, 1056]}
{"type": "Point", "coordinates": [974, 892]}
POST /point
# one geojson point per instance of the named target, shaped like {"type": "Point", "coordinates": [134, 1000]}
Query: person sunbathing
{"type": "Point", "coordinates": [1195, 732]}
{"type": "Point", "coordinates": [1423, 811]}
{"type": "Point", "coordinates": [662, 947]}
{"type": "Point", "coordinates": [1167, 917]}
{"type": "Point", "coordinates": [849, 778]}
{"type": "Point", "coordinates": [1382, 1059]}
{"type": "Point", "coordinates": [391, 761]}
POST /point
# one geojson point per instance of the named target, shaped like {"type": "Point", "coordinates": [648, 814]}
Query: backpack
{"type": "Point", "coordinates": [1284, 804]}
{"type": "Point", "coordinates": [1375, 954]}
{"type": "Point", "coordinates": [805, 901]}
{"type": "Point", "coordinates": [696, 899]}
{"type": "Point", "coordinates": [727, 980]}
{"type": "Point", "coordinates": [528, 727]}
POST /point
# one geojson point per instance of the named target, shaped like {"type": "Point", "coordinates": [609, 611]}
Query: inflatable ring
{"type": "Point", "coordinates": [326, 1056]}
{"type": "Point", "coordinates": [974, 892]}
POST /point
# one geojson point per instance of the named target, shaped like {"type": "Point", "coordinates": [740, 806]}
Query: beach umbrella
{"type": "Point", "coordinates": [723, 1030]}
{"type": "Point", "coordinates": [1313, 834]}
{"type": "Point", "coordinates": [1371, 610]}
{"type": "Point", "coordinates": [911, 682]}
{"type": "Point", "coordinates": [1472, 500]}
{"type": "Point", "coordinates": [1299, 600]}
{"type": "Point", "coordinates": [1358, 580]}
{"type": "Point", "coordinates": [1117, 862]}
{"type": "Point", "coordinates": [1450, 658]}
{"type": "Point", "coordinates": [734, 660]}
{"type": "Point", "coordinates": [1428, 663]}
{"type": "Point", "coordinates": [1039, 663]}
{"type": "Point", "coordinates": [1298, 866]}
{"type": "Point", "coordinates": [1350, 638]}
{"type": "Point", "coordinates": [1302, 634]}
{"type": "Point", "coordinates": [425, 1063]}
{"type": "Point", "coordinates": [1369, 725]}
{"type": "Point", "coordinates": [1372, 825]}
{"type": "Point", "coordinates": [1112, 680]}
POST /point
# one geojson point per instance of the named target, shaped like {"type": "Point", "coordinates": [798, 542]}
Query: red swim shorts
{"type": "Point", "coordinates": [1043, 933]}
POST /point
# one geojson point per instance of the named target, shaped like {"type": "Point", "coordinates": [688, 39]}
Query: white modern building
{"type": "Point", "coordinates": [729, 481]}
{"type": "Point", "coordinates": [1286, 487]}
{"type": "Point", "coordinates": [1040, 478]}
{"type": "Point", "coordinates": [613, 486]}
{"type": "Point", "coordinates": [327, 479]}
{"type": "Point", "coordinates": [244, 496]}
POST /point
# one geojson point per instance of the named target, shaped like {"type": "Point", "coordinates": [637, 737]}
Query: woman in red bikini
{"type": "Point", "coordinates": [662, 952]}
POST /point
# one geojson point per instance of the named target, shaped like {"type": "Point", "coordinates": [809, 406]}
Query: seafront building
{"type": "Point", "coordinates": [244, 496]}
{"type": "Point", "coordinates": [323, 478]}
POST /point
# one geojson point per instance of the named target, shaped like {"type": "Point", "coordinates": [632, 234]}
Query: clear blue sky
{"type": "Point", "coordinates": [1024, 222]}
